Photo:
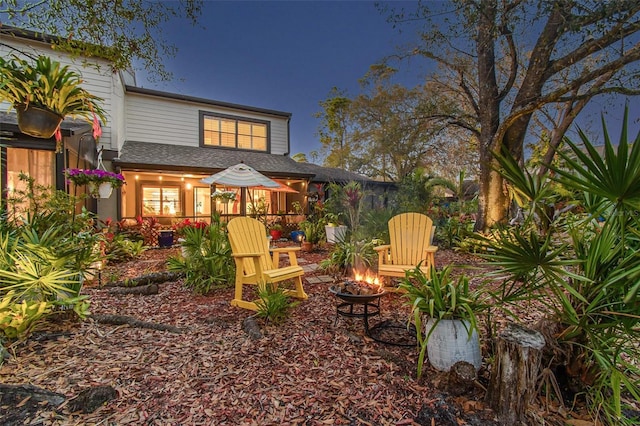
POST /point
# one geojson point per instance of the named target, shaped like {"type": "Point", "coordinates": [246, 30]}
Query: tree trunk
{"type": "Point", "coordinates": [493, 202]}
{"type": "Point", "coordinates": [515, 372]}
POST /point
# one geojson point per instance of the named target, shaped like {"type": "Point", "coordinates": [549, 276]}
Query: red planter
{"type": "Point", "coordinates": [275, 234]}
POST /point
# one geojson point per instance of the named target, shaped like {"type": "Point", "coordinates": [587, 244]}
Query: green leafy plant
{"type": "Point", "coordinates": [313, 230]}
{"type": "Point", "coordinates": [584, 271]}
{"type": "Point", "coordinates": [439, 296]}
{"type": "Point", "coordinates": [48, 85]}
{"type": "Point", "coordinates": [347, 255]}
{"type": "Point", "coordinates": [119, 248]}
{"type": "Point", "coordinates": [273, 304]}
{"type": "Point", "coordinates": [94, 176]}
{"type": "Point", "coordinates": [18, 318]}
{"type": "Point", "coordinates": [208, 263]}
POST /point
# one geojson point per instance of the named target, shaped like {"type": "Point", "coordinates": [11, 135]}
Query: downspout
{"type": "Point", "coordinates": [288, 137]}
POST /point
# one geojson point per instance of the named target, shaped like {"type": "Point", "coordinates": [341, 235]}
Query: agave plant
{"type": "Point", "coordinates": [583, 266]}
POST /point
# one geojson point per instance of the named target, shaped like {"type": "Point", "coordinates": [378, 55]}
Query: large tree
{"type": "Point", "coordinates": [525, 55]}
{"type": "Point", "coordinates": [335, 129]}
{"type": "Point", "coordinates": [121, 31]}
{"type": "Point", "coordinates": [388, 131]}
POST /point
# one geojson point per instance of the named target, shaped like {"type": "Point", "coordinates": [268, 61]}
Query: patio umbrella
{"type": "Point", "coordinates": [241, 176]}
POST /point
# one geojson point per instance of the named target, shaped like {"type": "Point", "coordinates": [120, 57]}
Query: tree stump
{"type": "Point", "coordinates": [515, 369]}
{"type": "Point", "coordinates": [461, 378]}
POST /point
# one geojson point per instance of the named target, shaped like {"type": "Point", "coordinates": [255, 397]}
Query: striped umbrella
{"type": "Point", "coordinates": [241, 176]}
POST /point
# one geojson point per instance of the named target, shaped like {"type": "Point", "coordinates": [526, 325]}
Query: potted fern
{"type": "Point", "coordinates": [451, 330]}
{"type": "Point", "coordinates": [43, 93]}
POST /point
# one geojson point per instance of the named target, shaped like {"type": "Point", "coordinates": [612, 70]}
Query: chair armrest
{"type": "Point", "coordinates": [383, 253]}
{"type": "Point", "coordinates": [246, 254]}
{"type": "Point", "coordinates": [285, 249]}
{"type": "Point", "coordinates": [293, 260]}
{"type": "Point", "coordinates": [431, 249]}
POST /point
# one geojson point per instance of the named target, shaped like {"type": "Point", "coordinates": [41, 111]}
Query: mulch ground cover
{"type": "Point", "coordinates": [314, 369]}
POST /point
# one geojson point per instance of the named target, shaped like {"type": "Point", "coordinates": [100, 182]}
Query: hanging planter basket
{"type": "Point", "coordinates": [102, 191]}
{"type": "Point", "coordinates": [37, 122]}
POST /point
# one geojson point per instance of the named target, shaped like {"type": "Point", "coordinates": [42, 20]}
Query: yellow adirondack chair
{"type": "Point", "coordinates": [254, 265]}
{"type": "Point", "coordinates": [410, 236]}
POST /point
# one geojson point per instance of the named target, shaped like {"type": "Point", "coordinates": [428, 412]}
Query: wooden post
{"type": "Point", "coordinates": [514, 374]}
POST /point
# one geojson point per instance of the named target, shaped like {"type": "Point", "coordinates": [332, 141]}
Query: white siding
{"type": "Point", "coordinates": [139, 117]}
{"type": "Point", "coordinates": [175, 122]}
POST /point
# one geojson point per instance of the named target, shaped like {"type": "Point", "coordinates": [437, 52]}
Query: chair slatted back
{"type": "Point", "coordinates": [248, 235]}
{"type": "Point", "coordinates": [410, 235]}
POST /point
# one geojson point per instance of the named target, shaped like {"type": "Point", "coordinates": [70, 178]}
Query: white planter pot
{"type": "Point", "coordinates": [335, 233]}
{"type": "Point", "coordinates": [103, 191]}
{"type": "Point", "coordinates": [449, 343]}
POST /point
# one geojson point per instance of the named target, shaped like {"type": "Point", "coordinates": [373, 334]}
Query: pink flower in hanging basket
{"type": "Point", "coordinates": [94, 176]}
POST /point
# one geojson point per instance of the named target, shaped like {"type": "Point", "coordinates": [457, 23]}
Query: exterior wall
{"type": "Point", "coordinates": [175, 122]}
{"type": "Point", "coordinates": [99, 81]}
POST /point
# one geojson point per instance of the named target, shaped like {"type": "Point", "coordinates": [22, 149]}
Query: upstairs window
{"type": "Point", "coordinates": [231, 132]}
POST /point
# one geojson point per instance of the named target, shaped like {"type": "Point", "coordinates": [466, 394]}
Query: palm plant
{"type": "Point", "coordinates": [208, 261]}
{"type": "Point", "coordinates": [585, 272]}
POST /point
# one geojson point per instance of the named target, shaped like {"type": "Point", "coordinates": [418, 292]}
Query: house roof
{"type": "Point", "coordinates": [158, 156]}
{"type": "Point", "coordinates": [176, 96]}
{"type": "Point", "coordinates": [332, 174]}
{"type": "Point", "coordinates": [149, 155]}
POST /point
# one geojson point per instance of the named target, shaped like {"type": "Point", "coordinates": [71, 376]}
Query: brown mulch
{"type": "Point", "coordinates": [314, 369]}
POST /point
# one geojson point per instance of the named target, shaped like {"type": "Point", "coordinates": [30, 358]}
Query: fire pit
{"type": "Point", "coordinates": [358, 296]}
{"type": "Point", "coordinates": [361, 299]}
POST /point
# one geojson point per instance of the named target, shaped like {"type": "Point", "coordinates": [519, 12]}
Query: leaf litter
{"type": "Point", "coordinates": [314, 369]}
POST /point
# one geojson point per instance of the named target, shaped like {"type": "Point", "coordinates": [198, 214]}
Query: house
{"type": "Point", "coordinates": [163, 143]}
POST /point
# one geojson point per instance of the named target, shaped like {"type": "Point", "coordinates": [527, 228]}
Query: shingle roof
{"type": "Point", "coordinates": [148, 155]}
{"type": "Point", "coordinates": [332, 174]}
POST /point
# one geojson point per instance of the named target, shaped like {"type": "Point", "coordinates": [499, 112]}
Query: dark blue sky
{"type": "Point", "coordinates": [282, 55]}
{"type": "Point", "coordinates": [287, 55]}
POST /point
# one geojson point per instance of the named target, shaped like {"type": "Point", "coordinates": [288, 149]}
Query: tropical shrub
{"type": "Point", "coordinates": [348, 254]}
{"type": "Point", "coordinates": [581, 265]}
{"type": "Point", "coordinates": [45, 250]}
{"type": "Point", "coordinates": [39, 276]}
{"type": "Point", "coordinates": [119, 248]}
{"type": "Point", "coordinates": [273, 304]}
{"type": "Point", "coordinates": [208, 263]}
{"type": "Point", "coordinates": [439, 296]}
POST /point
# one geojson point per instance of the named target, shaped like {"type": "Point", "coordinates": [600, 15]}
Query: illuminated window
{"type": "Point", "coordinates": [202, 201]}
{"type": "Point", "coordinates": [161, 201]}
{"type": "Point", "coordinates": [234, 133]}
{"type": "Point", "coordinates": [37, 164]}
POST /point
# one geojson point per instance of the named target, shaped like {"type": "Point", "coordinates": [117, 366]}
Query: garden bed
{"type": "Point", "coordinates": [312, 369]}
